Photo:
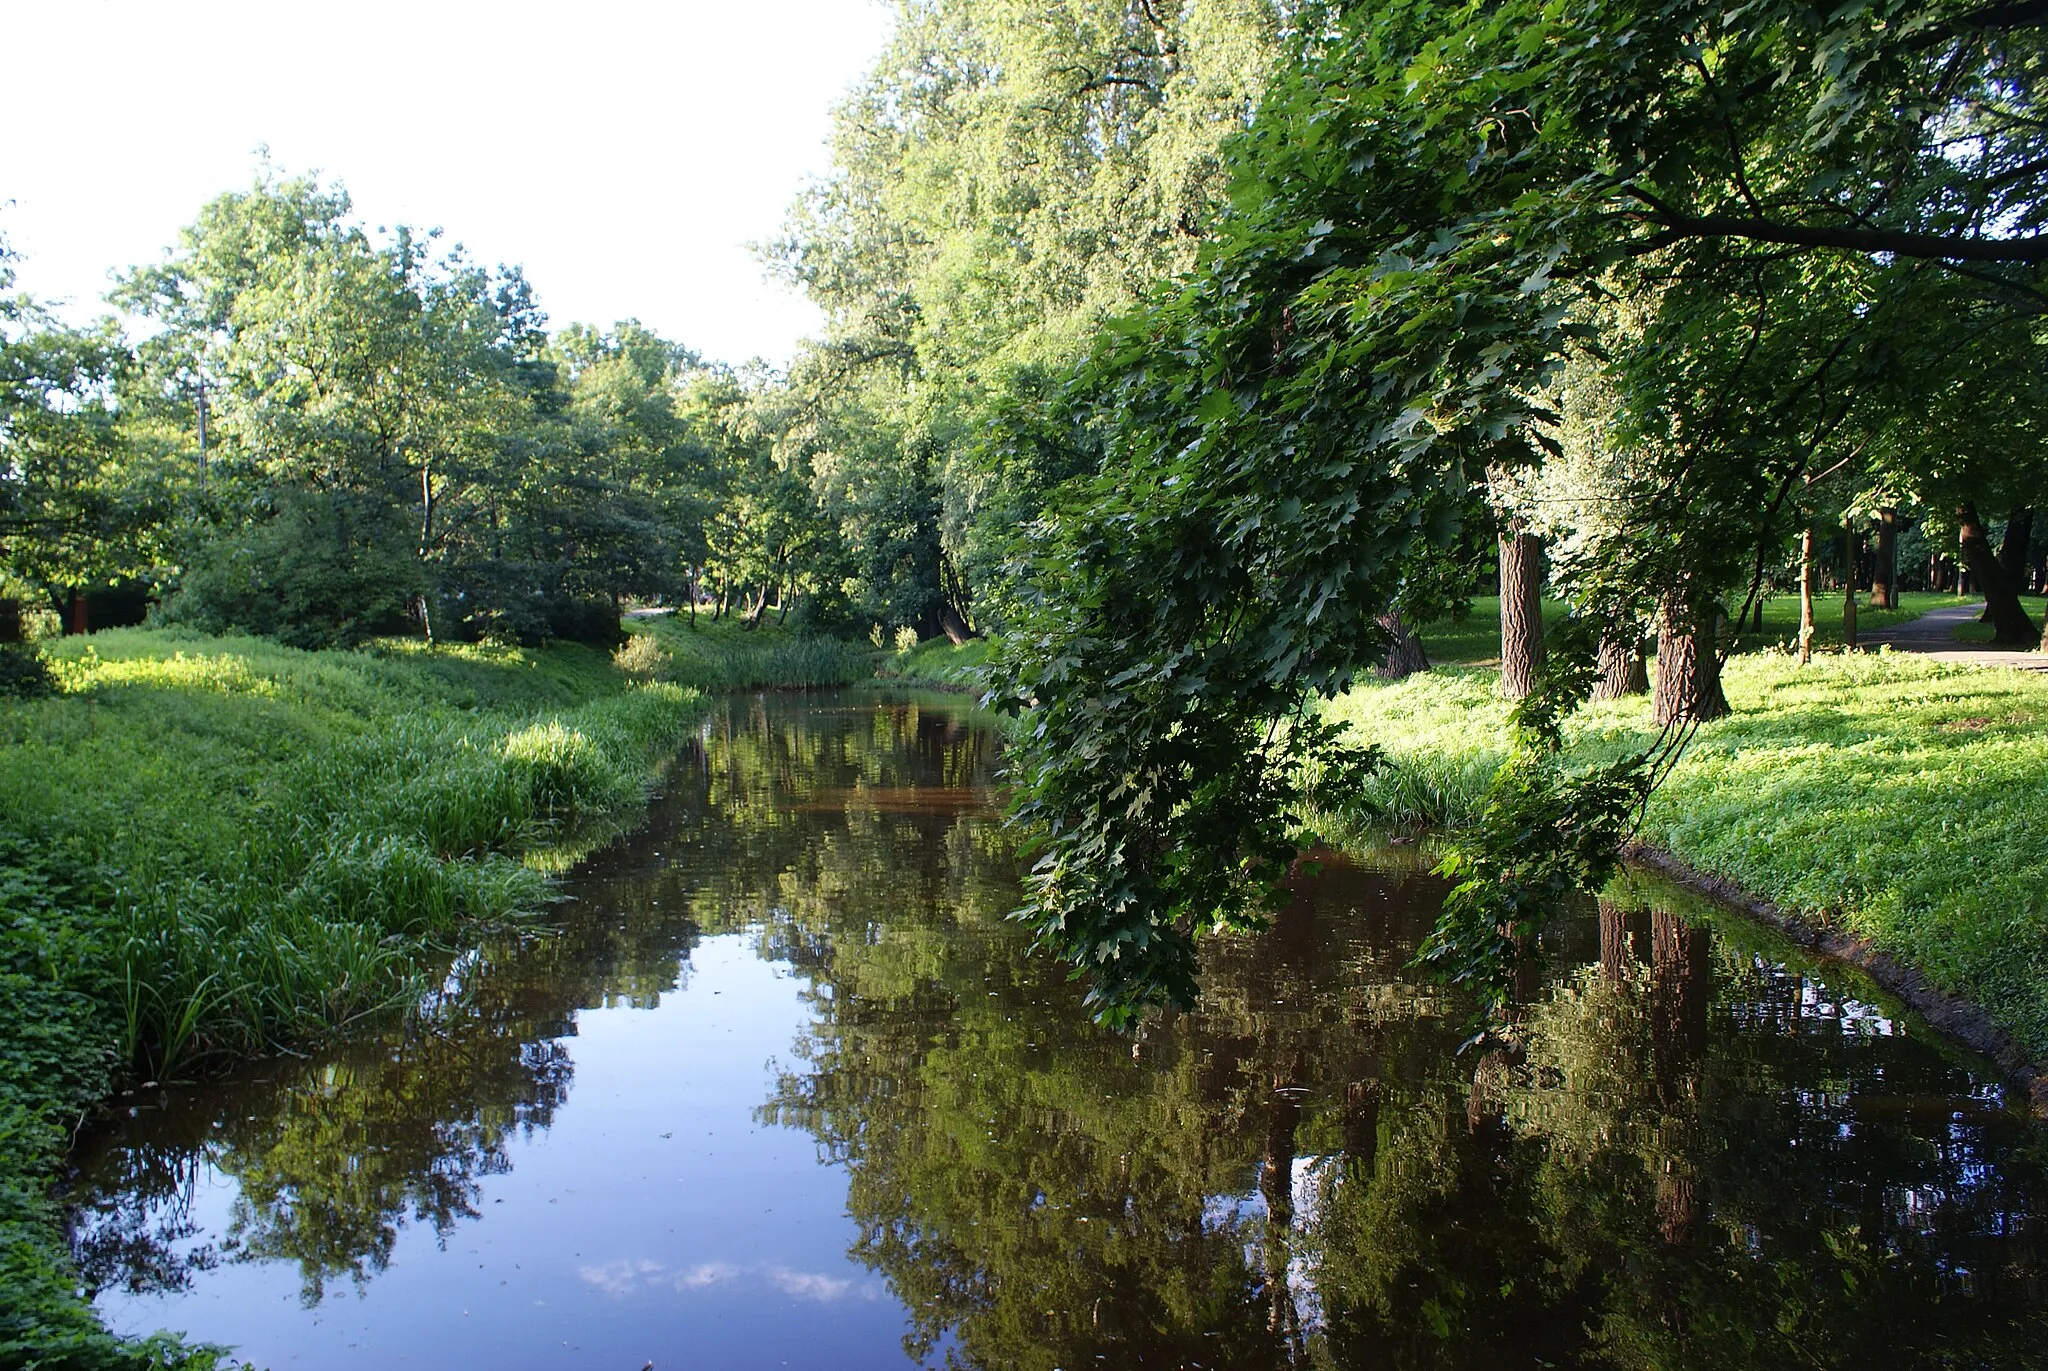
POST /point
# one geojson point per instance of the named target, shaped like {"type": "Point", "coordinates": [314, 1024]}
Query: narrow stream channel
{"type": "Point", "coordinates": [787, 1090]}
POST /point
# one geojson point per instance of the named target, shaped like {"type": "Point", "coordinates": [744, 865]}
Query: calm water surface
{"type": "Point", "coordinates": [786, 1090]}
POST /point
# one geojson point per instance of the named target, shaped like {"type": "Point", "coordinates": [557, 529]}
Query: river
{"type": "Point", "coordinates": [782, 1087]}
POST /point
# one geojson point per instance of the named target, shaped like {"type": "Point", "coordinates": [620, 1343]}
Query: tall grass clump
{"type": "Point", "coordinates": [724, 656]}
{"type": "Point", "coordinates": [211, 848]}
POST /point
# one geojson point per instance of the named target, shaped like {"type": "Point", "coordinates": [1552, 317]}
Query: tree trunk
{"type": "Point", "coordinates": [752, 619]}
{"type": "Point", "coordinates": [2012, 549]}
{"type": "Point", "coordinates": [1406, 656]}
{"type": "Point", "coordinates": [81, 613]}
{"type": "Point", "coordinates": [1806, 596]}
{"type": "Point", "coordinates": [10, 621]}
{"type": "Point", "coordinates": [2012, 553]}
{"type": "Point", "coordinates": [2010, 625]}
{"type": "Point", "coordinates": [1884, 575]}
{"type": "Point", "coordinates": [1521, 613]}
{"type": "Point", "coordinates": [1848, 583]}
{"type": "Point", "coordinates": [1688, 668]}
{"type": "Point", "coordinates": [1622, 669]}
{"type": "Point", "coordinates": [953, 624]}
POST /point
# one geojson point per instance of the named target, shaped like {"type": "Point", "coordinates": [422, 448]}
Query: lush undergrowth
{"type": "Point", "coordinates": [1475, 639]}
{"type": "Point", "coordinates": [1901, 799]}
{"type": "Point", "coordinates": [937, 662]}
{"type": "Point", "coordinates": [212, 848]}
{"type": "Point", "coordinates": [725, 655]}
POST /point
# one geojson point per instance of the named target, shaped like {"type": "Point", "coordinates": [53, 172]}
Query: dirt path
{"type": "Point", "coordinates": [1933, 634]}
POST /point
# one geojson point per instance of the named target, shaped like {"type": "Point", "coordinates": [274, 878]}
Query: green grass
{"type": "Point", "coordinates": [1475, 639]}
{"type": "Point", "coordinates": [213, 848]}
{"type": "Point", "coordinates": [727, 656]}
{"type": "Point", "coordinates": [936, 661]}
{"type": "Point", "coordinates": [1901, 799]}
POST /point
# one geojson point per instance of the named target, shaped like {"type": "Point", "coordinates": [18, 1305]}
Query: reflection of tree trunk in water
{"type": "Point", "coordinates": [1679, 956]}
{"type": "Point", "coordinates": [1406, 656]}
{"type": "Point", "coordinates": [1613, 941]}
{"type": "Point", "coordinates": [1623, 671]}
{"type": "Point", "coordinates": [1276, 1184]}
{"type": "Point", "coordinates": [1361, 1129]}
{"type": "Point", "coordinates": [1683, 981]}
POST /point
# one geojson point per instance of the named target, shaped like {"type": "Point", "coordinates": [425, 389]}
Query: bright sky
{"type": "Point", "coordinates": [624, 153]}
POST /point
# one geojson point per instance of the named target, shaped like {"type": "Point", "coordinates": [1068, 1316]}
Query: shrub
{"type": "Point", "coordinates": [640, 655]}
{"type": "Point", "coordinates": [24, 674]}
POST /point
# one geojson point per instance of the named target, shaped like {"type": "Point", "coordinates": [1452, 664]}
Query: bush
{"type": "Point", "coordinates": [24, 674]}
{"type": "Point", "coordinates": [640, 655]}
{"type": "Point", "coordinates": [312, 575]}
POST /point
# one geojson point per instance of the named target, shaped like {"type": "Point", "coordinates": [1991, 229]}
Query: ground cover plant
{"type": "Point", "coordinates": [1831, 790]}
{"type": "Point", "coordinates": [212, 848]}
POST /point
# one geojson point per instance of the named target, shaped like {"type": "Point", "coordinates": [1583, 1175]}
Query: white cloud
{"type": "Point", "coordinates": [809, 1285]}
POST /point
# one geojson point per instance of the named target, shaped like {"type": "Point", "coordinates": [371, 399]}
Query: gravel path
{"type": "Point", "coordinates": [1933, 634]}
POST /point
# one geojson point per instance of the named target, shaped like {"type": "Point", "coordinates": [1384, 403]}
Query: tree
{"type": "Point", "coordinates": [1426, 212]}
{"type": "Point", "coordinates": [1007, 177]}
{"type": "Point", "coordinates": [80, 507]}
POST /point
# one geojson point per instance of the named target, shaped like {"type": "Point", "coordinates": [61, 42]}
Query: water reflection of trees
{"type": "Point", "coordinates": [1698, 1157]}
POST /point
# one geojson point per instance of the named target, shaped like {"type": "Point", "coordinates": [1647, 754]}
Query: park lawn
{"type": "Point", "coordinates": [1903, 800]}
{"type": "Point", "coordinates": [213, 848]}
{"type": "Point", "coordinates": [1474, 640]}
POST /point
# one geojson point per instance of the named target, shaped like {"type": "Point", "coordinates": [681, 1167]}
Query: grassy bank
{"type": "Point", "coordinates": [935, 662]}
{"type": "Point", "coordinates": [725, 655]}
{"type": "Point", "coordinates": [1899, 800]}
{"type": "Point", "coordinates": [211, 848]}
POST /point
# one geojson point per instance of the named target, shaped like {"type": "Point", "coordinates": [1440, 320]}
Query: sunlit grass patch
{"type": "Point", "coordinates": [1902, 799]}
{"type": "Point", "coordinates": [725, 655]}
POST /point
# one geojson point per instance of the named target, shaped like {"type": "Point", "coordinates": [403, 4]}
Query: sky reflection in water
{"type": "Point", "coordinates": [786, 1090]}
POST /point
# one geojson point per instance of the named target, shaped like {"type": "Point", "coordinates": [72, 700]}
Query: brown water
{"type": "Point", "coordinates": [787, 1090]}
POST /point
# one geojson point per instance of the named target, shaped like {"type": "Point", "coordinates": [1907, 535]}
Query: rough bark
{"type": "Point", "coordinates": [2012, 549]}
{"type": "Point", "coordinates": [1688, 668]}
{"type": "Point", "coordinates": [1622, 669]}
{"type": "Point", "coordinates": [2012, 553]}
{"type": "Point", "coordinates": [2009, 622]}
{"type": "Point", "coordinates": [954, 624]}
{"type": "Point", "coordinates": [1406, 656]}
{"type": "Point", "coordinates": [1884, 574]}
{"type": "Point", "coordinates": [1521, 613]}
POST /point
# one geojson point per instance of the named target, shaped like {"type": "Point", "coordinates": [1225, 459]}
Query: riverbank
{"type": "Point", "coordinates": [1886, 810]}
{"type": "Point", "coordinates": [212, 849]}
{"type": "Point", "coordinates": [1889, 809]}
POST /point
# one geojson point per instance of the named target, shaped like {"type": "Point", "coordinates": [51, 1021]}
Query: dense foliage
{"type": "Point", "coordinates": [1744, 224]}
